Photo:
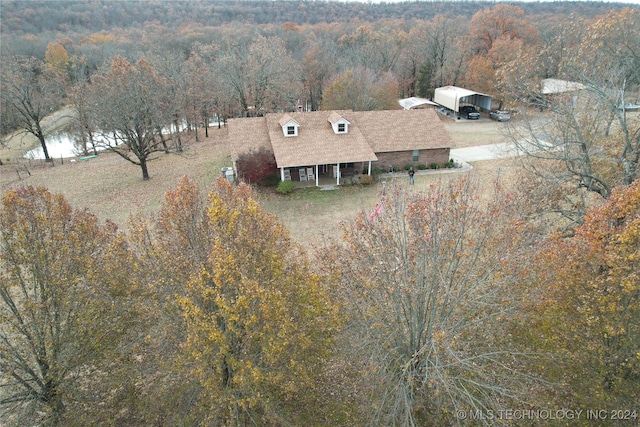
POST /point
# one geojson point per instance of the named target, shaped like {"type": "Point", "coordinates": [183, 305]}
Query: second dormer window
{"type": "Point", "coordinates": [338, 123]}
{"type": "Point", "coordinates": [291, 130]}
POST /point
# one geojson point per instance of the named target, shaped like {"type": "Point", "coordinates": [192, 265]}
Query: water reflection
{"type": "Point", "coordinates": [65, 145]}
{"type": "Point", "coordinates": [59, 145]}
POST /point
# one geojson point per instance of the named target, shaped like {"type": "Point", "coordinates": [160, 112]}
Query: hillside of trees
{"type": "Point", "coordinates": [43, 16]}
{"type": "Point", "coordinates": [458, 305]}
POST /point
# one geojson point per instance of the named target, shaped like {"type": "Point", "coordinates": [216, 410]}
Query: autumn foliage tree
{"type": "Point", "coordinates": [584, 307]}
{"type": "Point", "coordinates": [258, 322]}
{"type": "Point", "coordinates": [57, 60]}
{"type": "Point", "coordinates": [422, 280]}
{"type": "Point", "coordinates": [360, 90]}
{"type": "Point", "coordinates": [496, 35]}
{"type": "Point", "coordinates": [64, 309]}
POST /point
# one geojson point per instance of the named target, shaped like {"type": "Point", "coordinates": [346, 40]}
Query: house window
{"type": "Point", "coordinates": [291, 130]}
{"type": "Point", "coordinates": [342, 127]}
{"type": "Point", "coordinates": [416, 155]}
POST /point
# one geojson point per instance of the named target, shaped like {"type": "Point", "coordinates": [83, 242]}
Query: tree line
{"type": "Point", "coordinates": [37, 17]}
{"type": "Point", "coordinates": [442, 304]}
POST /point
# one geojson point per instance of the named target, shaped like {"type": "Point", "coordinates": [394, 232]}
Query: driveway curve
{"type": "Point", "coordinates": [484, 152]}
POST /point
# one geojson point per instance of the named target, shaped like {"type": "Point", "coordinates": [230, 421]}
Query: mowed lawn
{"type": "Point", "coordinates": [113, 188]}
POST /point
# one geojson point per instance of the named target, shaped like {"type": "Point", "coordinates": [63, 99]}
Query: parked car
{"type": "Point", "coordinates": [469, 112]}
{"type": "Point", "coordinates": [500, 115]}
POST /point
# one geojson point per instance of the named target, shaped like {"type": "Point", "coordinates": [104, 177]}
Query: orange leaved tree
{"type": "Point", "coordinates": [586, 308]}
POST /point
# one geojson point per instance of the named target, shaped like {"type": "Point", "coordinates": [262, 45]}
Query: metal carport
{"type": "Point", "coordinates": [452, 96]}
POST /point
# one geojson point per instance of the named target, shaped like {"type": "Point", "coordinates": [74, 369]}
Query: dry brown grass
{"type": "Point", "coordinates": [469, 133]}
{"type": "Point", "coordinates": [112, 188]}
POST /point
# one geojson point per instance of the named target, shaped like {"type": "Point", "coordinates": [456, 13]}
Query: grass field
{"type": "Point", "coordinates": [113, 189]}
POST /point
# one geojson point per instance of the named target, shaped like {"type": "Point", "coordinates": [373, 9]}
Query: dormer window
{"type": "Point", "coordinates": [339, 123]}
{"type": "Point", "coordinates": [289, 126]}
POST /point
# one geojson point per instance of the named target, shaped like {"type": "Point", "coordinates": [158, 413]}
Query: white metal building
{"type": "Point", "coordinates": [415, 102]}
{"type": "Point", "coordinates": [452, 97]}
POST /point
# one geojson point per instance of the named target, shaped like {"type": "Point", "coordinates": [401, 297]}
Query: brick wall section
{"type": "Point", "coordinates": [402, 158]}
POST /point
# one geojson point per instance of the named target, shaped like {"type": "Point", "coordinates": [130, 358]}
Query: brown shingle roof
{"type": "Point", "coordinates": [246, 135]}
{"type": "Point", "coordinates": [334, 117]}
{"type": "Point", "coordinates": [370, 132]}
{"type": "Point", "coordinates": [286, 119]}
{"type": "Point", "coordinates": [316, 143]}
{"type": "Point", "coordinates": [401, 130]}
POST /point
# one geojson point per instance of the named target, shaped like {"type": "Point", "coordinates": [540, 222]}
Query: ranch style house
{"type": "Point", "coordinates": [323, 147]}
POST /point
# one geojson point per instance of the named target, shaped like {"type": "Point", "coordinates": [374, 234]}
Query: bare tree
{"type": "Point", "coordinates": [262, 76]}
{"type": "Point", "coordinates": [583, 126]}
{"type": "Point", "coordinates": [274, 77]}
{"type": "Point", "coordinates": [421, 277]}
{"type": "Point", "coordinates": [128, 109]}
{"type": "Point", "coordinates": [28, 90]}
{"type": "Point", "coordinates": [198, 92]}
{"type": "Point", "coordinates": [435, 55]}
{"type": "Point", "coordinates": [377, 49]}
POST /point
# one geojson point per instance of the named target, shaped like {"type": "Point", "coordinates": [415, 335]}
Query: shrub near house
{"type": "Point", "coordinates": [256, 165]}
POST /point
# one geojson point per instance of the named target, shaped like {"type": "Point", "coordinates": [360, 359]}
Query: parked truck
{"type": "Point", "coordinates": [469, 112]}
{"type": "Point", "coordinates": [462, 102]}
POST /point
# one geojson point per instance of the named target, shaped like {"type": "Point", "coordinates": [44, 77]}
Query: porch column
{"type": "Point", "coordinates": [369, 171]}
{"type": "Point", "coordinates": [282, 174]}
{"type": "Point", "coordinates": [338, 175]}
{"type": "Point", "coordinates": [317, 177]}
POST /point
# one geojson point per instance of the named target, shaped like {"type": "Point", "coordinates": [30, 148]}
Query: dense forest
{"type": "Point", "coordinates": [469, 303]}
{"type": "Point", "coordinates": [43, 16]}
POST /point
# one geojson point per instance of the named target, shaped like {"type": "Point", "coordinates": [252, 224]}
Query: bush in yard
{"type": "Point", "coordinates": [422, 166]}
{"type": "Point", "coordinates": [286, 187]}
{"type": "Point", "coordinates": [377, 171]}
{"type": "Point", "coordinates": [366, 180]}
{"type": "Point", "coordinates": [434, 166]}
{"type": "Point", "coordinates": [255, 165]}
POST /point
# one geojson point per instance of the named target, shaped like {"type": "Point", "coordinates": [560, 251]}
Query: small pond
{"type": "Point", "coordinates": [63, 145]}
{"type": "Point", "coordinates": [60, 145]}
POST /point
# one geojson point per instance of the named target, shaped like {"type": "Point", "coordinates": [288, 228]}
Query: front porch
{"type": "Point", "coordinates": [325, 175]}
{"type": "Point", "coordinates": [326, 180]}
